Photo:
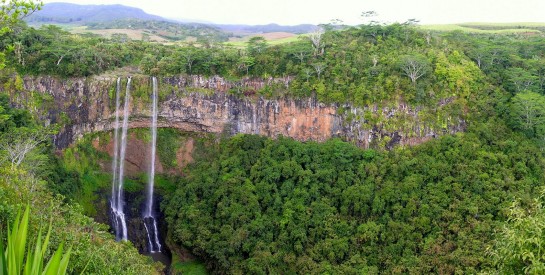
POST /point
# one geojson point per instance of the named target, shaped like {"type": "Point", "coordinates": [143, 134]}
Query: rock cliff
{"type": "Point", "coordinates": [215, 105]}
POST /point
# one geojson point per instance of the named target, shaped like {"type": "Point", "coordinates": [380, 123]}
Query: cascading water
{"type": "Point", "coordinates": [118, 165]}
{"type": "Point", "coordinates": [149, 219]}
{"type": "Point", "coordinates": [115, 162]}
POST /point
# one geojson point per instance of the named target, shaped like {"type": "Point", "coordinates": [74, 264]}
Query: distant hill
{"type": "Point", "coordinates": [297, 29]}
{"type": "Point", "coordinates": [106, 20]}
{"type": "Point", "coordinates": [172, 31]}
{"type": "Point", "coordinates": [63, 13]}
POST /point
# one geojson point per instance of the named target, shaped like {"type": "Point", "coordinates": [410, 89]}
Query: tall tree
{"type": "Point", "coordinates": [256, 45]}
{"type": "Point", "coordinates": [528, 112]}
{"type": "Point", "coordinates": [521, 79]}
{"type": "Point", "coordinates": [317, 43]}
{"type": "Point", "coordinates": [414, 66]}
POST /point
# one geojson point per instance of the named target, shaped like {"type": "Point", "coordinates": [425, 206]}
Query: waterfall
{"type": "Point", "coordinates": [149, 220]}
{"type": "Point", "coordinates": [118, 164]}
{"type": "Point", "coordinates": [115, 163]}
{"type": "Point", "coordinates": [151, 176]}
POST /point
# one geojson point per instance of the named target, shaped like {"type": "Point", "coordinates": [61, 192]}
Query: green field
{"type": "Point", "coordinates": [489, 28]}
{"type": "Point", "coordinates": [271, 40]}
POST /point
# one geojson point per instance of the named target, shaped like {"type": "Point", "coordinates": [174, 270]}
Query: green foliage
{"type": "Point", "coordinates": [190, 267]}
{"type": "Point", "coordinates": [518, 248]}
{"type": "Point", "coordinates": [256, 45]}
{"type": "Point", "coordinates": [18, 260]}
{"type": "Point", "coordinates": [51, 50]}
{"type": "Point", "coordinates": [528, 113]}
{"type": "Point", "coordinates": [76, 174]}
{"type": "Point", "coordinates": [168, 143]}
{"type": "Point", "coordinates": [93, 248]}
{"type": "Point", "coordinates": [358, 65]}
{"type": "Point", "coordinates": [11, 118]}
{"type": "Point", "coordinates": [254, 205]}
{"type": "Point", "coordinates": [168, 30]}
{"type": "Point", "coordinates": [414, 66]}
{"type": "Point", "coordinates": [12, 11]}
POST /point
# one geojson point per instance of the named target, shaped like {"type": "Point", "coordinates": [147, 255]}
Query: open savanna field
{"type": "Point", "coordinates": [134, 34]}
{"type": "Point", "coordinates": [273, 38]}
{"type": "Point", "coordinates": [490, 28]}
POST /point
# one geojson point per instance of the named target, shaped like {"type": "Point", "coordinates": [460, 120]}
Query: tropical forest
{"type": "Point", "coordinates": [131, 143]}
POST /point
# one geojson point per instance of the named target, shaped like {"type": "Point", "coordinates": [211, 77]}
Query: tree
{"type": "Point", "coordinates": [414, 66]}
{"type": "Point", "coordinates": [11, 12]}
{"type": "Point", "coordinates": [528, 112]}
{"type": "Point", "coordinates": [190, 55]}
{"type": "Point", "coordinates": [521, 79]}
{"type": "Point", "coordinates": [256, 45]}
{"type": "Point", "coordinates": [307, 72]}
{"type": "Point", "coordinates": [299, 50]}
{"type": "Point", "coordinates": [316, 39]}
{"type": "Point", "coordinates": [147, 63]}
{"type": "Point", "coordinates": [520, 244]}
{"type": "Point", "coordinates": [18, 143]}
{"type": "Point", "coordinates": [245, 62]}
{"type": "Point", "coordinates": [319, 68]}
{"type": "Point", "coordinates": [479, 54]}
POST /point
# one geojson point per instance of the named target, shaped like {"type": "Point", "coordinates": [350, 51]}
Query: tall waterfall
{"type": "Point", "coordinates": [149, 218]}
{"type": "Point", "coordinates": [118, 164]}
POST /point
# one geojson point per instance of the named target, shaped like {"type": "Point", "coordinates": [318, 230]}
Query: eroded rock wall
{"type": "Point", "coordinates": [199, 104]}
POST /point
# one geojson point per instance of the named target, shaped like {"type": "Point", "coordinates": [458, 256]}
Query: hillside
{"type": "Point", "coordinates": [167, 30]}
{"type": "Point", "coordinates": [297, 29]}
{"type": "Point", "coordinates": [62, 13]}
{"type": "Point", "coordinates": [110, 20]}
{"type": "Point", "coordinates": [113, 21]}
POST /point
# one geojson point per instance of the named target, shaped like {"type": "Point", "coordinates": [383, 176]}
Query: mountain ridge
{"type": "Point", "coordinates": [61, 12]}
{"type": "Point", "coordinates": [68, 13]}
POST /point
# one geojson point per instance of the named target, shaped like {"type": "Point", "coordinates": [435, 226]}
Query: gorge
{"type": "Point", "coordinates": [369, 149]}
{"type": "Point", "coordinates": [208, 105]}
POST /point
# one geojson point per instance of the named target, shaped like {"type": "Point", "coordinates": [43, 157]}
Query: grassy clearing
{"type": "Point", "coordinates": [273, 38]}
{"type": "Point", "coordinates": [132, 34]}
{"type": "Point", "coordinates": [488, 28]}
{"type": "Point", "coordinates": [515, 25]}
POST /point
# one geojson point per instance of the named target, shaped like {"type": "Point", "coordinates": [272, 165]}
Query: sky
{"type": "Point", "coordinates": [292, 12]}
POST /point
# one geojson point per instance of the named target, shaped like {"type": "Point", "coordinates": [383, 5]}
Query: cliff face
{"type": "Point", "coordinates": [198, 104]}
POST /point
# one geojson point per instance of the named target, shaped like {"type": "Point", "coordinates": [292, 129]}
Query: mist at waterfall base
{"type": "Point", "coordinates": [118, 204]}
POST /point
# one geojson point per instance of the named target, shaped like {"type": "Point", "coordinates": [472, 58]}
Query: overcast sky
{"type": "Point", "coordinates": [291, 12]}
